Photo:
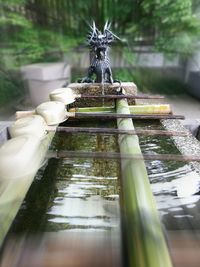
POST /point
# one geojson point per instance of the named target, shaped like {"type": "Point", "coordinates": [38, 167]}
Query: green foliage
{"type": "Point", "coordinates": [25, 42]}
{"type": "Point", "coordinates": [10, 88]}
{"type": "Point", "coordinates": [43, 30]}
{"type": "Point", "coordinates": [123, 74]}
{"type": "Point", "coordinates": [148, 80]}
{"type": "Point", "coordinates": [168, 25]}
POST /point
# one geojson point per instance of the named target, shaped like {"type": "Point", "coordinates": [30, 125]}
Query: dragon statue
{"type": "Point", "coordinates": [100, 64]}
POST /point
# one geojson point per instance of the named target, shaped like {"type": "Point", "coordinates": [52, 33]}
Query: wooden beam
{"type": "Point", "coordinates": [115, 115]}
{"type": "Point", "coordinates": [117, 156]}
{"type": "Point", "coordinates": [116, 131]}
{"type": "Point", "coordinates": [111, 97]}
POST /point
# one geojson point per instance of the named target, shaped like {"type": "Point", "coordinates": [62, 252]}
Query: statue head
{"type": "Point", "coordinates": [100, 41]}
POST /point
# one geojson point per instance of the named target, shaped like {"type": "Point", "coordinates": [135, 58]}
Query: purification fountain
{"type": "Point", "coordinates": [85, 172]}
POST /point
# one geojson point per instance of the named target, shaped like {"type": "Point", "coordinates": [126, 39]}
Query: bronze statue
{"type": "Point", "coordinates": [100, 64]}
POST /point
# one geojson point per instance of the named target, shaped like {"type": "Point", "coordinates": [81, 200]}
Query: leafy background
{"type": "Point", "coordinates": [46, 30]}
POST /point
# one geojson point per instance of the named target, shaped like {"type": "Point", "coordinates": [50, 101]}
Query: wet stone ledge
{"type": "Point", "coordinates": [187, 145]}
{"type": "Point", "coordinates": [98, 89]}
{"type": "Point", "coordinates": [193, 125]}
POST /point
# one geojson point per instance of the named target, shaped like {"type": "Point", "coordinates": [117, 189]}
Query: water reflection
{"type": "Point", "coordinates": [89, 188]}
{"type": "Point", "coordinates": [81, 195]}
{"type": "Point", "coordinates": [82, 199]}
{"type": "Point", "coordinates": [175, 186]}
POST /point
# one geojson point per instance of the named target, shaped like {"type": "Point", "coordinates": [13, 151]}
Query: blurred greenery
{"type": "Point", "coordinates": [23, 42]}
{"type": "Point", "coordinates": [11, 87]}
{"type": "Point", "coordinates": [150, 80]}
{"type": "Point", "coordinates": [170, 25]}
{"type": "Point", "coordinates": [44, 31]}
{"type": "Point", "coordinates": [147, 80]}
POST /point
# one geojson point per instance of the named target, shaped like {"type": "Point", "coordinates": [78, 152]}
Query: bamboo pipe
{"type": "Point", "coordinates": [109, 109]}
{"type": "Point", "coordinates": [54, 112]}
{"type": "Point", "coordinates": [142, 231]}
{"type": "Point", "coordinates": [135, 109]}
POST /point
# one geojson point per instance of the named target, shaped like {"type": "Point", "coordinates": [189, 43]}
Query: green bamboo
{"type": "Point", "coordinates": [94, 109]}
{"type": "Point", "coordinates": [136, 109]}
{"type": "Point", "coordinates": [143, 236]}
{"type": "Point", "coordinates": [13, 192]}
{"type": "Point", "coordinates": [150, 109]}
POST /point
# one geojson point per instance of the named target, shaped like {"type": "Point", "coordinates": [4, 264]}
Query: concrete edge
{"type": "Point", "coordinates": [187, 145]}
{"type": "Point", "coordinates": [4, 135]}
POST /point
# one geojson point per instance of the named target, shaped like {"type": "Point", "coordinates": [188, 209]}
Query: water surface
{"type": "Point", "coordinates": [83, 194]}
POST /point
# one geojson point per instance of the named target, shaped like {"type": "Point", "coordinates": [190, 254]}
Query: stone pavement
{"type": "Point", "coordinates": [189, 107]}
{"type": "Point", "coordinates": [184, 105]}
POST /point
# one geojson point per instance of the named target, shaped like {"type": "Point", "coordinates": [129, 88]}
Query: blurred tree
{"type": "Point", "coordinates": [43, 30]}
{"type": "Point", "coordinates": [32, 30]}
{"type": "Point", "coordinates": [24, 42]}
{"type": "Point", "coordinates": [168, 25]}
{"type": "Point", "coordinates": [26, 37]}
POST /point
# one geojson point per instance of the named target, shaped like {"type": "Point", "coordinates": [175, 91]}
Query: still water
{"type": "Point", "coordinates": [74, 194]}
{"type": "Point", "coordinates": [175, 186]}
{"type": "Point", "coordinates": [83, 194]}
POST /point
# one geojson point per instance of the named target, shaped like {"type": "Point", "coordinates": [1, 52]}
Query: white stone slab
{"type": "Point", "coordinates": [46, 71]}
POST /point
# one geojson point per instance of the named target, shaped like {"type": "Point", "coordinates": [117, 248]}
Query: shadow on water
{"type": "Point", "coordinates": [31, 216]}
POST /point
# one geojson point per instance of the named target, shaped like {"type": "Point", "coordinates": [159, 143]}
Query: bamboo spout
{"type": "Point", "coordinates": [142, 231]}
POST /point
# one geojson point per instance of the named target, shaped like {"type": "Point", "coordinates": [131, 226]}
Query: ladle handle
{"type": "Point", "coordinates": [22, 114]}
